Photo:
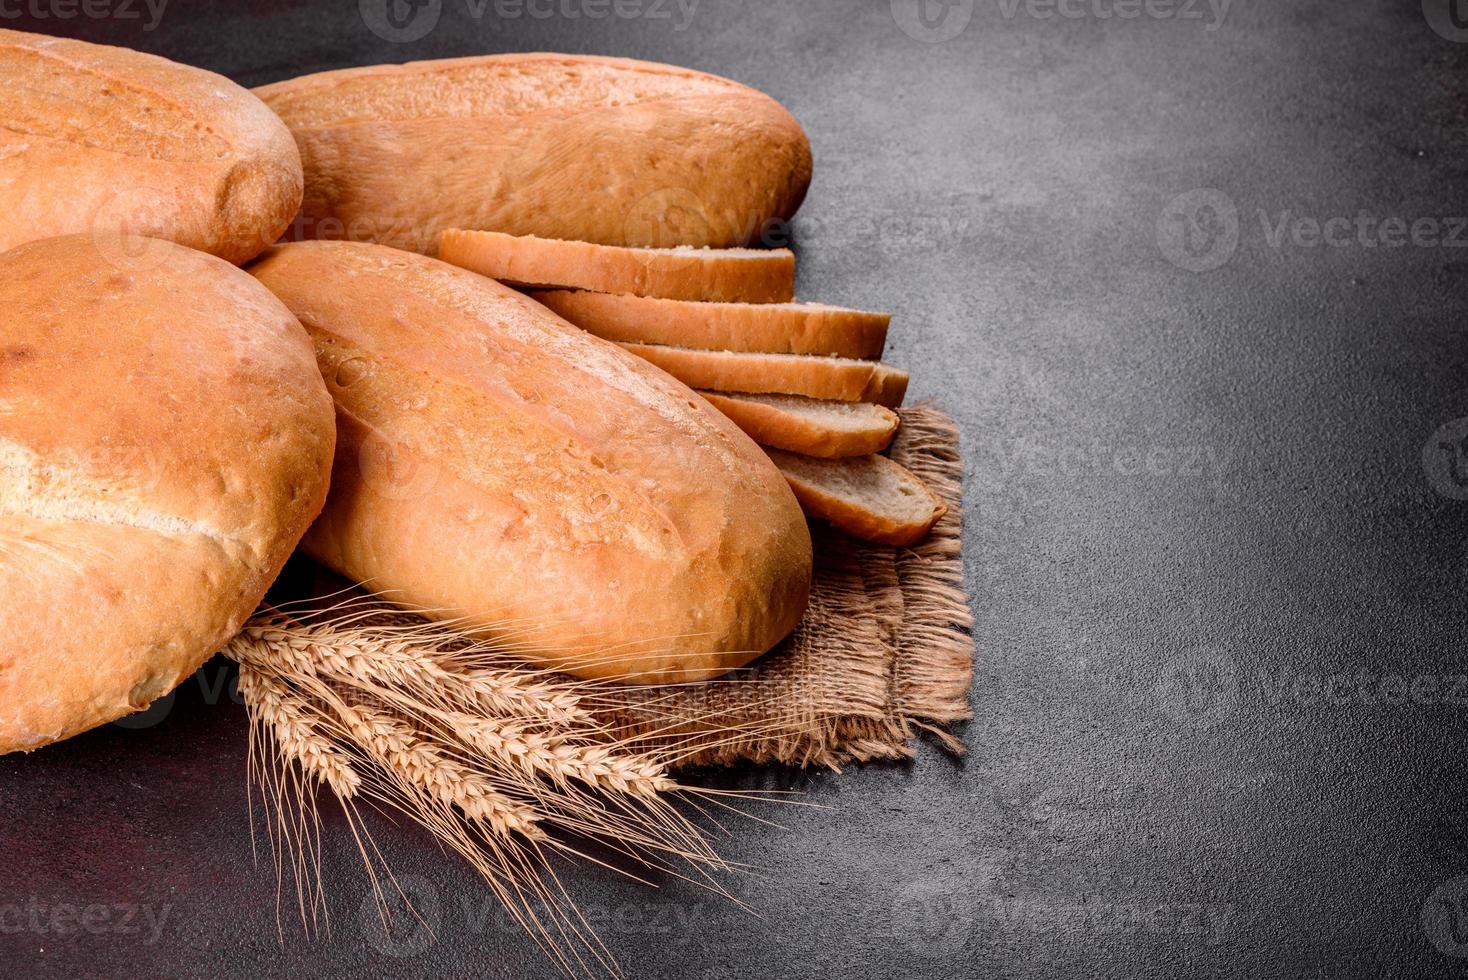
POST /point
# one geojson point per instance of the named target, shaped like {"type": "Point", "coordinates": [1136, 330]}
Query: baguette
{"type": "Point", "coordinates": [105, 140]}
{"type": "Point", "coordinates": [736, 275]}
{"type": "Point", "coordinates": [606, 150]}
{"type": "Point", "coordinates": [159, 460]}
{"type": "Point", "coordinates": [545, 484]}
{"type": "Point", "coordinates": [776, 328]}
{"type": "Point", "coordinates": [807, 426]}
{"type": "Point", "coordinates": [868, 497]}
{"type": "Point", "coordinates": [836, 378]}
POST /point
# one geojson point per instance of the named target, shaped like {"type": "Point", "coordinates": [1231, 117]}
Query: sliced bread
{"type": "Point", "coordinates": [775, 328]}
{"type": "Point", "coordinates": [838, 378]}
{"type": "Point", "coordinates": [868, 497]}
{"type": "Point", "coordinates": [807, 425]}
{"type": "Point", "coordinates": [732, 275]}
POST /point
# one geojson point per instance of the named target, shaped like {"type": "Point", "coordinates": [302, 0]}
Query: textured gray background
{"type": "Point", "coordinates": [1214, 542]}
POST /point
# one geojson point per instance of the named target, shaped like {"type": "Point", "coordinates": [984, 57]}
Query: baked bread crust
{"type": "Point", "coordinates": [498, 466]}
{"type": "Point", "coordinates": [165, 440]}
{"type": "Point", "coordinates": [869, 497]}
{"type": "Point", "coordinates": [733, 275]}
{"type": "Point", "coordinates": [836, 378]}
{"type": "Point", "coordinates": [798, 425]}
{"type": "Point", "coordinates": [607, 150]}
{"type": "Point", "coordinates": [773, 328]}
{"type": "Point", "coordinates": [99, 139]}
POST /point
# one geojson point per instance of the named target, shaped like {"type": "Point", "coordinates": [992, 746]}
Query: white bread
{"type": "Point", "coordinates": [837, 378]}
{"type": "Point", "coordinates": [100, 139]}
{"type": "Point", "coordinates": [735, 275]}
{"type": "Point", "coordinates": [868, 497]}
{"type": "Point", "coordinates": [775, 328]}
{"type": "Point", "coordinates": [165, 439]}
{"type": "Point", "coordinates": [546, 483]}
{"type": "Point", "coordinates": [606, 150]}
{"type": "Point", "coordinates": [809, 426]}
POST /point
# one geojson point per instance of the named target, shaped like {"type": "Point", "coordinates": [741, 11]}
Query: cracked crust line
{"type": "Point", "coordinates": [33, 489]}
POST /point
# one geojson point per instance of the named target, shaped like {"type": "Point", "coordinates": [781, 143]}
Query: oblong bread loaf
{"type": "Point", "coordinates": [106, 140]}
{"type": "Point", "coordinates": [735, 275]}
{"type": "Point", "coordinates": [607, 150]}
{"type": "Point", "coordinates": [808, 425]}
{"type": "Point", "coordinates": [773, 328]}
{"type": "Point", "coordinates": [158, 461]}
{"type": "Point", "coordinates": [868, 497]}
{"type": "Point", "coordinates": [838, 378]}
{"type": "Point", "coordinates": [499, 466]}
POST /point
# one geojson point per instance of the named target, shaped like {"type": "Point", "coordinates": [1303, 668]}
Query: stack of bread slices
{"type": "Point", "coordinates": [804, 380]}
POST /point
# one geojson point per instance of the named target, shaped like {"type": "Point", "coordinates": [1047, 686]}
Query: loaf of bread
{"type": "Point", "coordinates": [735, 275]}
{"type": "Point", "coordinates": [165, 439]}
{"type": "Point", "coordinates": [105, 140]}
{"type": "Point", "coordinates": [772, 328]}
{"type": "Point", "coordinates": [498, 466]}
{"type": "Point", "coordinates": [813, 427]}
{"type": "Point", "coordinates": [604, 150]}
{"type": "Point", "coordinates": [838, 378]}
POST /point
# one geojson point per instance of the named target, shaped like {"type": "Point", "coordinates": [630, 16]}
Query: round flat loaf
{"type": "Point", "coordinates": [605, 150]}
{"type": "Point", "coordinates": [165, 439]}
{"type": "Point", "coordinates": [100, 139]}
{"type": "Point", "coordinates": [502, 468]}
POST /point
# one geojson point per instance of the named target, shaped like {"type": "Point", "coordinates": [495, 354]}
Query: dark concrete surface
{"type": "Point", "coordinates": [1214, 506]}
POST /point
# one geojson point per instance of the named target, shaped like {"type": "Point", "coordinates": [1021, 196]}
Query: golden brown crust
{"type": "Point", "coordinates": [159, 460]}
{"type": "Point", "coordinates": [839, 379]}
{"type": "Point", "coordinates": [607, 150]}
{"type": "Point", "coordinates": [544, 479]}
{"type": "Point", "coordinates": [775, 328]}
{"type": "Point", "coordinates": [729, 275]}
{"type": "Point", "coordinates": [770, 425]}
{"type": "Point", "coordinates": [811, 479]}
{"type": "Point", "coordinates": [100, 139]}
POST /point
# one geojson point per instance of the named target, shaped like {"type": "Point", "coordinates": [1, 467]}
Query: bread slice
{"type": "Point", "coordinates": [776, 328]}
{"type": "Point", "coordinates": [729, 275]}
{"type": "Point", "coordinates": [838, 378]}
{"type": "Point", "coordinates": [869, 497]}
{"type": "Point", "coordinates": [807, 425]}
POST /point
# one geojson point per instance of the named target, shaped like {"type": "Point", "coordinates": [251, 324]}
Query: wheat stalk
{"type": "Point", "coordinates": [492, 756]}
{"type": "Point", "coordinates": [334, 652]}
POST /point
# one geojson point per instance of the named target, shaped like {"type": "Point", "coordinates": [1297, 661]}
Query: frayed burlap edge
{"type": "Point", "coordinates": [884, 651]}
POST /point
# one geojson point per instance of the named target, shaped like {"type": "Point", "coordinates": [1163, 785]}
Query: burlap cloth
{"type": "Point", "coordinates": [883, 652]}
